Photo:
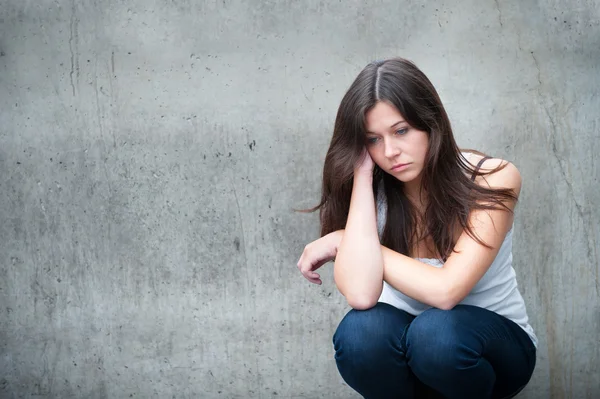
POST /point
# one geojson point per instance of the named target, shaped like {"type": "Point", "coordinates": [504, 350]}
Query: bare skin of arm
{"type": "Point", "coordinates": [358, 268]}
{"type": "Point", "coordinates": [362, 264]}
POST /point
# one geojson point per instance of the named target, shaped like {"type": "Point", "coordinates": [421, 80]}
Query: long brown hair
{"type": "Point", "coordinates": [451, 194]}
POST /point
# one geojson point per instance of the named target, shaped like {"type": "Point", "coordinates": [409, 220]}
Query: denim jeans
{"type": "Point", "coordinates": [466, 352]}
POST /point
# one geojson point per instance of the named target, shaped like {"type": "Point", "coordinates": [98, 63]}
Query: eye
{"type": "Point", "coordinates": [401, 131]}
{"type": "Point", "coordinates": [372, 140]}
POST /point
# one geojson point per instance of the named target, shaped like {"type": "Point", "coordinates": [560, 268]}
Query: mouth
{"type": "Point", "coordinates": [400, 166]}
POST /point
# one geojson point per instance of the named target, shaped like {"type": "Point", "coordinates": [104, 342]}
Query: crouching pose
{"type": "Point", "coordinates": [421, 237]}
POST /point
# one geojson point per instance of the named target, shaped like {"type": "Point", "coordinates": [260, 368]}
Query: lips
{"type": "Point", "coordinates": [399, 166]}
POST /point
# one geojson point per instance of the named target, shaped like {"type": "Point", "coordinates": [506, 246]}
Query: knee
{"type": "Point", "coordinates": [364, 334]}
{"type": "Point", "coordinates": [436, 340]}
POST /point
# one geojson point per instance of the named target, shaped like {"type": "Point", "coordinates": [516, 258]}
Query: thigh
{"type": "Point", "coordinates": [381, 320]}
{"type": "Point", "coordinates": [510, 351]}
{"type": "Point", "coordinates": [375, 331]}
{"type": "Point", "coordinates": [486, 334]}
{"type": "Point", "coordinates": [369, 354]}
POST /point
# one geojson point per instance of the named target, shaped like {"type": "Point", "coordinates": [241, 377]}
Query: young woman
{"type": "Point", "coordinates": [421, 234]}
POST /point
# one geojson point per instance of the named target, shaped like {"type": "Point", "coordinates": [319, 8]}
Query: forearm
{"type": "Point", "coordinates": [358, 269]}
{"type": "Point", "coordinates": [422, 282]}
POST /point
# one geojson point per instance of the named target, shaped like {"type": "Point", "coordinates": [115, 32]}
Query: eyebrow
{"type": "Point", "coordinates": [395, 124]}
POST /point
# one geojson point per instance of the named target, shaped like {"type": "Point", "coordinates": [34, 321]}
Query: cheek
{"type": "Point", "coordinates": [375, 155]}
{"type": "Point", "coordinates": [423, 145]}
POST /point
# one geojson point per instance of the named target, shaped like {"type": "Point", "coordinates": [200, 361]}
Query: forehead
{"type": "Point", "coordinates": [381, 117]}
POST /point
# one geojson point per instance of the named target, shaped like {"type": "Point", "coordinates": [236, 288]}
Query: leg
{"type": "Point", "coordinates": [369, 354]}
{"type": "Point", "coordinates": [469, 352]}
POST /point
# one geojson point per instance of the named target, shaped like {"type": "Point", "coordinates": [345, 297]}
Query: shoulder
{"type": "Point", "coordinates": [502, 173]}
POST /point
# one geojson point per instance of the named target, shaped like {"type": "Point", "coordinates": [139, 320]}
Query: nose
{"type": "Point", "coordinates": [391, 148]}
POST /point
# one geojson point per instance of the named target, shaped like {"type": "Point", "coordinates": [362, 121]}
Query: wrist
{"type": "Point", "coordinates": [363, 176]}
{"type": "Point", "coordinates": [337, 238]}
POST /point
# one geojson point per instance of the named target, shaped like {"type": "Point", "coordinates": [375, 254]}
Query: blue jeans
{"type": "Point", "coordinates": [463, 353]}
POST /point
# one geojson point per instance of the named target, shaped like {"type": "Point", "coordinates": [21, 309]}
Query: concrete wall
{"type": "Point", "coordinates": [151, 153]}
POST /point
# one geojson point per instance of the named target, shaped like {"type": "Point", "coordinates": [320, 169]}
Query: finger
{"type": "Point", "coordinates": [306, 267]}
{"type": "Point", "coordinates": [311, 276]}
{"type": "Point", "coordinates": [306, 272]}
{"type": "Point", "coordinates": [314, 280]}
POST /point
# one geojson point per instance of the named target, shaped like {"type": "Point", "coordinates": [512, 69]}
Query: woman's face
{"type": "Point", "coordinates": [392, 143]}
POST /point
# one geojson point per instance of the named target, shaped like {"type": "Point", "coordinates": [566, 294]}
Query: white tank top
{"type": "Point", "coordinates": [497, 290]}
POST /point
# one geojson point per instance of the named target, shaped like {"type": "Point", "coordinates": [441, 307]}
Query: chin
{"type": "Point", "coordinates": [405, 177]}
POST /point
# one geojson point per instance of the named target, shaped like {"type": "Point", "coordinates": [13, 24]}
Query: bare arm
{"type": "Point", "coordinates": [358, 268]}
{"type": "Point", "coordinates": [447, 286]}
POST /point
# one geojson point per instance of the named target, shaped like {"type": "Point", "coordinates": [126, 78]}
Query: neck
{"type": "Point", "coordinates": [412, 191]}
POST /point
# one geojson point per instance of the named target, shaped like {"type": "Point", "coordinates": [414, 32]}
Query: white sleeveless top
{"type": "Point", "coordinates": [497, 290]}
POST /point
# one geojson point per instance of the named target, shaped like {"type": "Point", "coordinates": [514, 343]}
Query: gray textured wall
{"type": "Point", "coordinates": [151, 152]}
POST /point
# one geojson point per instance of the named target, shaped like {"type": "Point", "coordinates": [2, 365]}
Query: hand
{"type": "Point", "coordinates": [365, 164]}
{"type": "Point", "coordinates": [317, 253]}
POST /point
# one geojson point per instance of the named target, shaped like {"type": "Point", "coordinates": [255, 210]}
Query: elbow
{"type": "Point", "coordinates": [449, 300]}
{"type": "Point", "coordinates": [364, 300]}
{"type": "Point", "coordinates": [449, 292]}
{"type": "Point", "coordinates": [361, 302]}
{"type": "Point", "coordinates": [360, 295]}
{"type": "Point", "coordinates": [446, 305]}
